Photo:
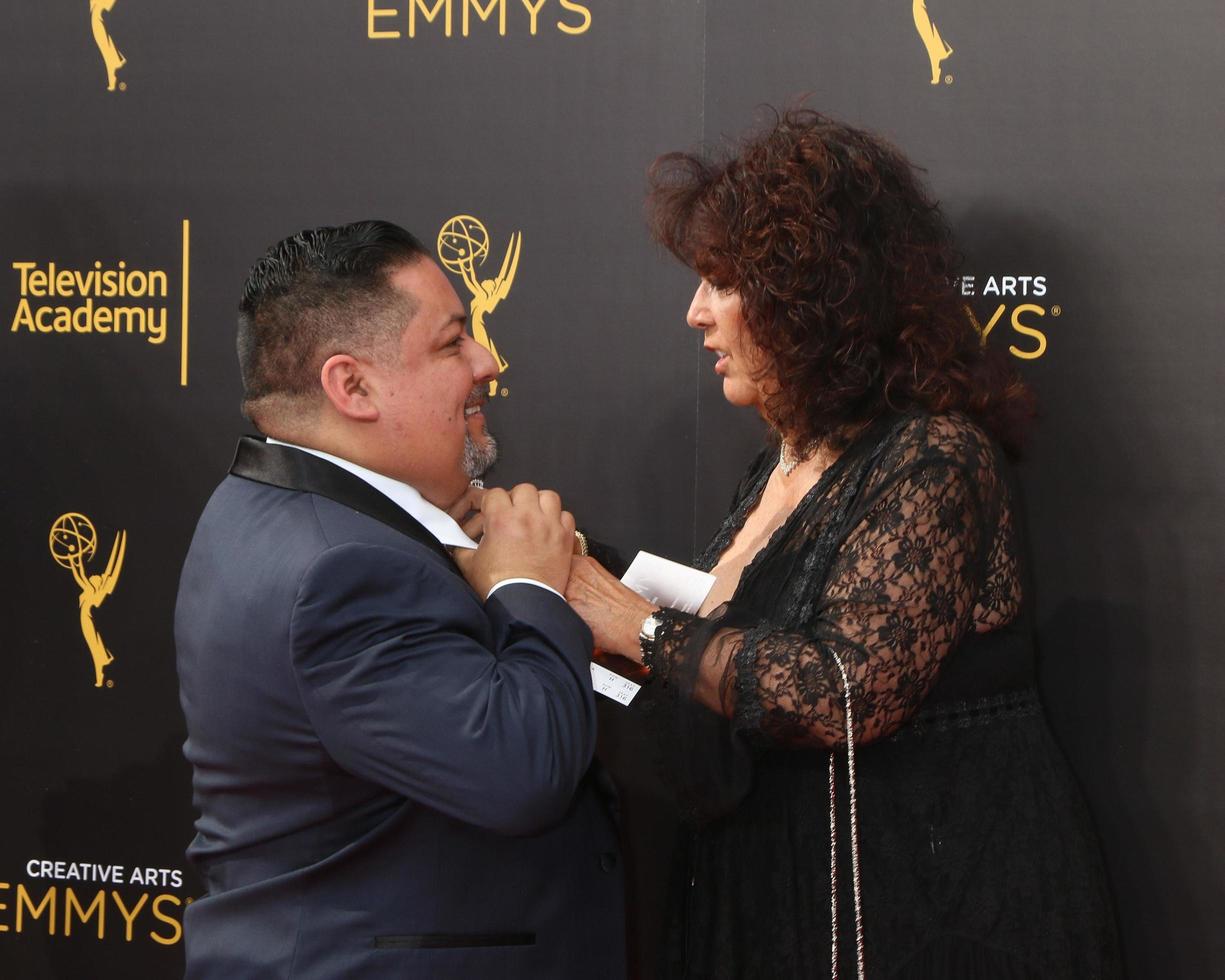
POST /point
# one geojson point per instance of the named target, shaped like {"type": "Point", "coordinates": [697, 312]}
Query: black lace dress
{"type": "Point", "coordinates": [900, 572]}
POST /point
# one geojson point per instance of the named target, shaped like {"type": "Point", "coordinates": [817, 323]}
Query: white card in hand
{"type": "Point", "coordinates": [668, 583]}
{"type": "Point", "coordinates": [613, 685]}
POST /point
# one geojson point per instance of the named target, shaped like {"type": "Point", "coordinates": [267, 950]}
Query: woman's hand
{"type": "Point", "coordinates": [613, 612]}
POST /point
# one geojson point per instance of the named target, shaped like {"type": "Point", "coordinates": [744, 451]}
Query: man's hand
{"type": "Point", "coordinates": [526, 535]}
{"type": "Point", "coordinates": [466, 512]}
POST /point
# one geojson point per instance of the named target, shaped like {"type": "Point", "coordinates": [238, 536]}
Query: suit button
{"type": "Point", "coordinates": [608, 860]}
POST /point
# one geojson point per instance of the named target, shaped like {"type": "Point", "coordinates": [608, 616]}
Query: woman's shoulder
{"type": "Point", "coordinates": [951, 439]}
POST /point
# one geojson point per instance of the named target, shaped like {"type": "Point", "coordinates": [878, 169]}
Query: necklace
{"type": "Point", "coordinates": [788, 458]}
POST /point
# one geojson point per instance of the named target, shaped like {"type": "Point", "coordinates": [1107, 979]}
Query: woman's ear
{"type": "Point", "coordinates": [347, 385]}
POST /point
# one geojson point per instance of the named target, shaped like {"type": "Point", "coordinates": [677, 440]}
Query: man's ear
{"type": "Point", "coordinates": [347, 386]}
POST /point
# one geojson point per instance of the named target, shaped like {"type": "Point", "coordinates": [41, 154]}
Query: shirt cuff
{"type": "Point", "coordinates": [524, 581]}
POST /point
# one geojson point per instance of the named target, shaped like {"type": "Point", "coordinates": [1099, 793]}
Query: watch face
{"type": "Point", "coordinates": [646, 637]}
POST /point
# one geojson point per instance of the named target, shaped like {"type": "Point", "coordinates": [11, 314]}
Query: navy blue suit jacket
{"type": "Point", "coordinates": [393, 777]}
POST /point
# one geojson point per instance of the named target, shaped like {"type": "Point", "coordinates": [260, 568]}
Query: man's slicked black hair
{"type": "Point", "coordinates": [314, 294]}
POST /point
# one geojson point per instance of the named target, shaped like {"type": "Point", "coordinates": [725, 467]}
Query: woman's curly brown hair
{"type": "Point", "coordinates": [845, 270]}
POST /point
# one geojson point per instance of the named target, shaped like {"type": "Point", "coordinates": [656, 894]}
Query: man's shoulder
{"type": "Point", "coordinates": [280, 522]}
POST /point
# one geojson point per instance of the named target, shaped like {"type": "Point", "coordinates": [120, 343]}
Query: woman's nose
{"type": "Point", "coordinates": [698, 316]}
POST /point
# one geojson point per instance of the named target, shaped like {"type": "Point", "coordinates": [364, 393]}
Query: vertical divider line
{"type": "Point", "coordinates": [697, 371]}
{"type": "Point", "coordinates": [186, 295]}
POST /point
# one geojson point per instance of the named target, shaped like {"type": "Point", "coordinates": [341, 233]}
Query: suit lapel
{"type": "Point", "coordinates": [292, 469]}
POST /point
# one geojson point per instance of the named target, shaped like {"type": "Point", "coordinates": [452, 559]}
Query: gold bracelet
{"type": "Point", "coordinates": [581, 538]}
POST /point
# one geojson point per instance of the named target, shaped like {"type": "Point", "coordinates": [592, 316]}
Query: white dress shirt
{"type": "Point", "coordinates": [438, 522]}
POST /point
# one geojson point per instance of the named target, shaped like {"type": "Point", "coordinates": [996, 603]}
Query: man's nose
{"type": "Point", "coordinates": [484, 365]}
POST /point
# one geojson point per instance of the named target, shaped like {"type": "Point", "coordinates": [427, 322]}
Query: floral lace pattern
{"type": "Point", "coordinates": [902, 547]}
{"type": "Point", "coordinates": [905, 563]}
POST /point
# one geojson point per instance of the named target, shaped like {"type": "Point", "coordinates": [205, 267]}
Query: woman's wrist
{"type": "Point", "coordinates": [631, 644]}
{"type": "Point", "coordinates": [648, 637]}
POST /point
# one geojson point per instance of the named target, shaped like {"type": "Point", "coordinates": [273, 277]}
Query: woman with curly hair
{"type": "Point", "coordinates": [850, 723]}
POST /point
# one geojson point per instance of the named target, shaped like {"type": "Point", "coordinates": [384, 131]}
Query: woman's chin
{"type": "Point", "coordinates": [740, 394]}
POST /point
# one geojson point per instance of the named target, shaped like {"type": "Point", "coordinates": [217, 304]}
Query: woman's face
{"type": "Point", "coordinates": [717, 313]}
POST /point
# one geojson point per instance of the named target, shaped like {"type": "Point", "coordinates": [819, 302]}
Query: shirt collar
{"type": "Point", "coordinates": [438, 522]}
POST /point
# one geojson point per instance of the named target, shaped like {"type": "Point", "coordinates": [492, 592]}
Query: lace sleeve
{"type": "Point", "coordinates": [899, 594]}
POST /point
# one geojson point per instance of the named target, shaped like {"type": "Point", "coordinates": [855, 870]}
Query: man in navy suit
{"type": "Point", "coordinates": [391, 751]}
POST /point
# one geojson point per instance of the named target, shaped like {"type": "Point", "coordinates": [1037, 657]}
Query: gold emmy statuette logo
{"type": "Point", "coordinates": [73, 541]}
{"type": "Point", "coordinates": [463, 245]}
{"type": "Point", "coordinates": [106, 44]}
{"type": "Point", "coordinates": [937, 48]}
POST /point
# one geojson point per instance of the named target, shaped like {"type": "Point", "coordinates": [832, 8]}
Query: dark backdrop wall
{"type": "Point", "coordinates": [1077, 150]}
